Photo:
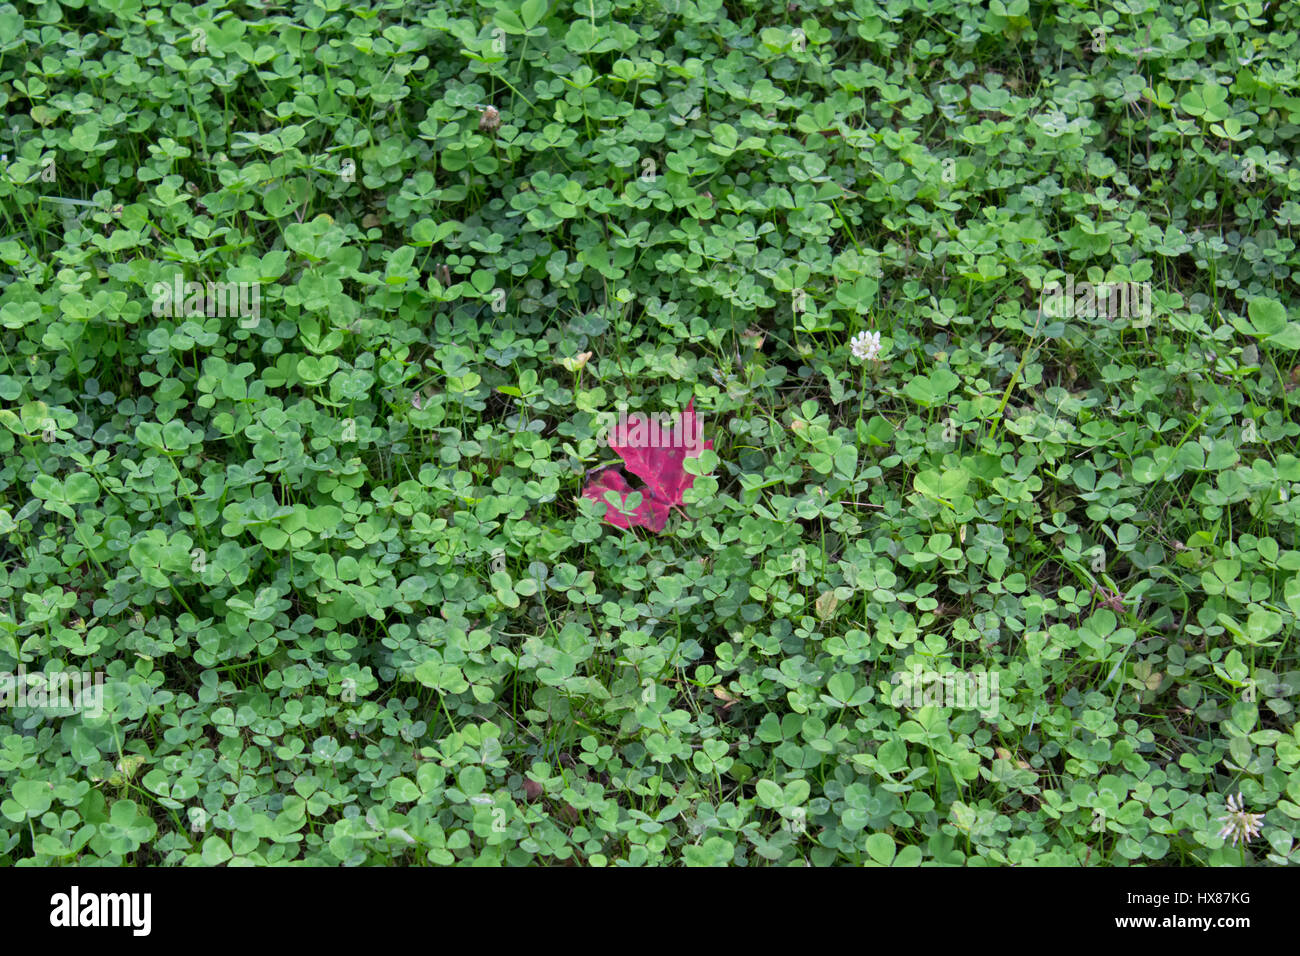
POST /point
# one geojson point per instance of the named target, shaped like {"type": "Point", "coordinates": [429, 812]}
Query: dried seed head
{"type": "Point", "coordinates": [490, 120]}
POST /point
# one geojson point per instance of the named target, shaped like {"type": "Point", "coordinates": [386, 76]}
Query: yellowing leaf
{"type": "Point", "coordinates": [826, 605]}
{"type": "Point", "coordinates": [727, 699]}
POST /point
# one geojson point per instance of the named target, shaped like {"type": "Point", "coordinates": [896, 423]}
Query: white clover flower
{"type": "Point", "coordinates": [866, 345]}
{"type": "Point", "coordinates": [1239, 826]}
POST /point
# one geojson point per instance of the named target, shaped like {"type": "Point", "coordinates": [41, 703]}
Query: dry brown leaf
{"type": "Point", "coordinates": [826, 605]}
{"type": "Point", "coordinates": [577, 363]}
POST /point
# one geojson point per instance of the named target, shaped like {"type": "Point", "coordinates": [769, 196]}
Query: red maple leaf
{"type": "Point", "coordinates": [655, 455]}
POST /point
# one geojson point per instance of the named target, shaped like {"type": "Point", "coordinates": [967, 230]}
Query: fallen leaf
{"type": "Point", "coordinates": [650, 514]}
{"type": "Point", "coordinates": [826, 604]}
{"type": "Point", "coordinates": [727, 699]}
{"type": "Point", "coordinates": [655, 455]}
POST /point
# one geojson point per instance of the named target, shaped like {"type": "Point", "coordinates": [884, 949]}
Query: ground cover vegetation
{"type": "Point", "coordinates": [334, 335]}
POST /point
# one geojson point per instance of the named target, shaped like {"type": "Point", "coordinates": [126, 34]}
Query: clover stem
{"type": "Point", "coordinates": [1006, 396]}
{"type": "Point", "coordinates": [185, 605]}
{"type": "Point", "coordinates": [180, 481]}
{"type": "Point", "coordinates": [86, 544]}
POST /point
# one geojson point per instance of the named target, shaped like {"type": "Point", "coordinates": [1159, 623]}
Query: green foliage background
{"type": "Point", "coordinates": [333, 563]}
